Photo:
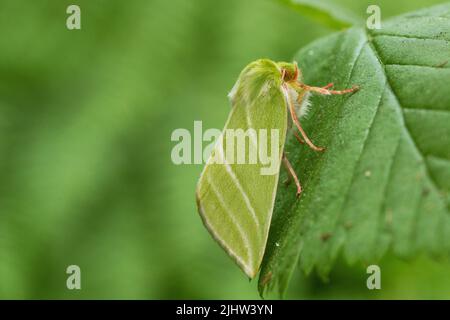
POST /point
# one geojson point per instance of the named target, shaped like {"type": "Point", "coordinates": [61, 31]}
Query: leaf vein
{"type": "Point", "coordinates": [403, 122]}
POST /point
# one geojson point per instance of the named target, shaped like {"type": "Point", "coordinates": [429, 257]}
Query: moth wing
{"type": "Point", "coordinates": [235, 200]}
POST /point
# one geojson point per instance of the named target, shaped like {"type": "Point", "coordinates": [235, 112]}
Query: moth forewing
{"type": "Point", "coordinates": [236, 200]}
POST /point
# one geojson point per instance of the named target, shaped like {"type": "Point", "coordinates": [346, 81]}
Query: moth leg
{"type": "Point", "coordinates": [288, 179]}
{"type": "Point", "coordinates": [324, 90]}
{"type": "Point", "coordinates": [291, 171]}
{"type": "Point", "coordinates": [297, 124]}
{"type": "Point", "coordinates": [298, 138]}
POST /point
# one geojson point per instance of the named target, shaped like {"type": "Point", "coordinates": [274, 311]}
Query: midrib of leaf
{"type": "Point", "coordinates": [360, 49]}
{"type": "Point", "coordinates": [405, 133]}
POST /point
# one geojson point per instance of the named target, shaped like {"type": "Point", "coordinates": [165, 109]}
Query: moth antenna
{"type": "Point", "coordinates": [298, 73]}
{"type": "Point", "coordinates": [283, 74]}
{"type": "Point", "coordinates": [296, 70]}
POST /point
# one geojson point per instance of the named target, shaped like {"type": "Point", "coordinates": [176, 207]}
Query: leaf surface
{"type": "Point", "coordinates": [383, 182]}
{"type": "Point", "coordinates": [325, 11]}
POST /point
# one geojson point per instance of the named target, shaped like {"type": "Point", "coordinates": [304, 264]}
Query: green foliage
{"type": "Point", "coordinates": [324, 11]}
{"type": "Point", "coordinates": [85, 124]}
{"type": "Point", "coordinates": [383, 182]}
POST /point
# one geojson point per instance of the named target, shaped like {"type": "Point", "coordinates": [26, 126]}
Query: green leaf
{"type": "Point", "coordinates": [383, 182]}
{"type": "Point", "coordinates": [325, 12]}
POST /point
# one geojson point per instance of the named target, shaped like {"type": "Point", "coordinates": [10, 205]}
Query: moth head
{"type": "Point", "coordinates": [289, 71]}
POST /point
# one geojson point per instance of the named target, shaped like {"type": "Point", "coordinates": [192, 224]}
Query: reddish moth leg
{"type": "Point", "coordinates": [302, 89]}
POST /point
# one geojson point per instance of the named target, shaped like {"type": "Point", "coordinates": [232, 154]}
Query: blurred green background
{"type": "Point", "coordinates": [86, 176]}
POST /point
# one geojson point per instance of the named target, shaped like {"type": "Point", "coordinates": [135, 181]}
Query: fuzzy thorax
{"type": "Point", "coordinates": [301, 105]}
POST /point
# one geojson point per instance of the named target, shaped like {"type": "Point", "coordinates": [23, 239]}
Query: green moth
{"type": "Point", "coordinates": [237, 188]}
